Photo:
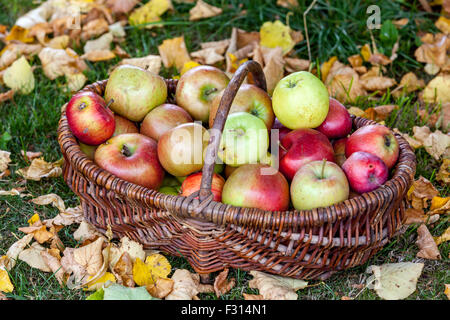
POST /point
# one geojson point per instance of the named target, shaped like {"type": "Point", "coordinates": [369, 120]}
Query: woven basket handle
{"type": "Point", "coordinates": [221, 116]}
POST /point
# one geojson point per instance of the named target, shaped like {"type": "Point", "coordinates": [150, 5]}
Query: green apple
{"type": "Point", "coordinates": [300, 100]}
{"type": "Point", "coordinates": [245, 139]}
{"type": "Point", "coordinates": [135, 91]}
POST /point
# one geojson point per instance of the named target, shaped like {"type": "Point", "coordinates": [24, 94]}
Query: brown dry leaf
{"type": "Point", "coordinates": [9, 260]}
{"type": "Point", "coordinates": [207, 56]}
{"type": "Point", "coordinates": [412, 142]}
{"type": "Point", "coordinates": [186, 286]}
{"type": "Point", "coordinates": [51, 198]}
{"type": "Point", "coordinates": [100, 44]}
{"type": "Point", "coordinates": [437, 89]}
{"type": "Point", "coordinates": [61, 42]}
{"type": "Point", "coordinates": [275, 287]}
{"type": "Point", "coordinates": [14, 192]}
{"type": "Point", "coordinates": [30, 155]}
{"type": "Point", "coordinates": [436, 143]}
{"type": "Point", "coordinates": [66, 218]}
{"type": "Point", "coordinates": [94, 28]}
{"type": "Point", "coordinates": [151, 63]}
{"type": "Point", "coordinates": [421, 191]}
{"type": "Point", "coordinates": [295, 64]}
{"type": "Point", "coordinates": [443, 24]}
{"type": "Point", "coordinates": [426, 244]}
{"type": "Point", "coordinates": [121, 6]}
{"type": "Point", "coordinates": [380, 113]}
{"type": "Point", "coordinates": [173, 52]}
{"type": "Point", "coordinates": [39, 232]}
{"type": "Point", "coordinates": [13, 51]}
{"type": "Point", "coordinates": [32, 256]}
{"type": "Point", "coordinates": [273, 66]}
{"type": "Point", "coordinates": [121, 53]}
{"type": "Point", "coordinates": [287, 3]}
{"type": "Point", "coordinates": [355, 60]}
{"type": "Point", "coordinates": [401, 22]}
{"type": "Point", "coordinates": [222, 285]}
{"type": "Point", "coordinates": [161, 288]}
{"type": "Point", "coordinates": [54, 263]}
{"type": "Point", "coordinates": [59, 62]}
{"type": "Point", "coordinates": [203, 10]}
{"type": "Point", "coordinates": [433, 50]}
{"type": "Point", "coordinates": [444, 172]}
{"type": "Point", "coordinates": [373, 80]}
{"type": "Point", "coordinates": [40, 169]}
{"type": "Point", "coordinates": [248, 296]}
{"type": "Point", "coordinates": [98, 55]}
{"type": "Point", "coordinates": [394, 281]}
{"type": "Point", "coordinates": [344, 83]}
{"type": "Point", "coordinates": [123, 270]}
{"type": "Point", "coordinates": [5, 160]}
{"type": "Point", "coordinates": [409, 83]}
{"type": "Point", "coordinates": [5, 96]}
{"type": "Point", "coordinates": [418, 216]}
{"type": "Point", "coordinates": [379, 59]}
{"type": "Point", "coordinates": [85, 232]}
{"type": "Point", "coordinates": [220, 46]}
{"type": "Point", "coordinates": [133, 248]}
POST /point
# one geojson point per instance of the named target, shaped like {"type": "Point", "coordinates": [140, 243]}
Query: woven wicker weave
{"type": "Point", "coordinates": [212, 236]}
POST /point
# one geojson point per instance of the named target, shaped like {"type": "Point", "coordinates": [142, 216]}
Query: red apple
{"type": "Point", "coordinates": [162, 119]}
{"type": "Point", "coordinates": [90, 120]}
{"type": "Point", "coordinates": [318, 184]}
{"type": "Point", "coordinates": [131, 157]}
{"type": "Point", "coordinates": [124, 126]}
{"type": "Point", "coordinates": [339, 151]}
{"type": "Point", "coordinates": [281, 128]}
{"type": "Point", "coordinates": [375, 139]}
{"type": "Point", "coordinates": [192, 184]}
{"type": "Point", "coordinates": [197, 88]}
{"type": "Point", "coordinates": [181, 149]}
{"type": "Point", "coordinates": [365, 172]}
{"type": "Point", "coordinates": [338, 123]}
{"type": "Point", "coordinates": [301, 146]}
{"type": "Point", "coordinates": [258, 186]}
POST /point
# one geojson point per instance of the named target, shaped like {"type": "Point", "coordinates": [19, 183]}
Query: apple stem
{"type": "Point", "coordinates": [209, 91]}
{"type": "Point", "coordinates": [110, 102]}
{"type": "Point", "coordinates": [281, 146]}
{"type": "Point", "coordinates": [323, 168]}
{"type": "Point", "coordinates": [126, 151]}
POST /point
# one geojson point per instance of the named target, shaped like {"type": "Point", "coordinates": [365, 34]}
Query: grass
{"type": "Point", "coordinates": [335, 28]}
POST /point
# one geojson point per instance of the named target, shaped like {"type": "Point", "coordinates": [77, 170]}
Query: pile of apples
{"type": "Point", "coordinates": [315, 159]}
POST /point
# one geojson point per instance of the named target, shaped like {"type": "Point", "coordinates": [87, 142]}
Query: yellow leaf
{"type": "Point", "coordinates": [19, 76]}
{"type": "Point", "coordinates": [97, 284]}
{"type": "Point", "coordinates": [437, 89]}
{"type": "Point", "coordinates": [159, 265]}
{"type": "Point", "coordinates": [188, 66]}
{"type": "Point", "coordinates": [443, 24]}
{"type": "Point", "coordinates": [447, 291]}
{"type": "Point", "coordinates": [141, 273]}
{"type": "Point", "coordinates": [366, 52]}
{"type": "Point", "coordinates": [445, 236]}
{"type": "Point", "coordinates": [20, 34]}
{"type": "Point", "coordinates": [33, 219]}
{"type": "Point", "coordinates": [276, 34]}
{"type": "Point", "coordinates": [326, 66]}
{"type": "Point", "coordinates": [5, 282]}
{"type": "Point", "coordinates": [150, 12]}
{"type": "Point", "coordinates": [438, 202]}
{"type": "Point", "coordinates": [173, 52]}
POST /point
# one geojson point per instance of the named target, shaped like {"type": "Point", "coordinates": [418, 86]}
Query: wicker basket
{"type": "Point", "coordinates": [212, 236]}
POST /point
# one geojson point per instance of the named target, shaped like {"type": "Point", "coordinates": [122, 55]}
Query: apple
{"type": "Point", "coordinates": [318, 184]}
{"type": "Point", "coordinates": [301, 146]}
{"type": "Point", "coordinates": [132, 157]}
{"type": "Point", "coordinates": [192, 184]}
{"type": "Point", "coordinates": [197, 88]}
{"type": "Point", "coordinates": [338, 122]}
{"type": "Point", "coordinates": [124, 126]}
{"type": "Point", "coordinates": [365, 171]}
{"type": "Point", "coordinates": [169, 190]}
{"type": "Point", "coordinates": [162, 119]}
{"type": "Point", "coordinates": [89, 118]}
{"type": "Point", "coordinates": [375, 139]}
{"type": "Point", "coordinates": [244, 139]}
{"type": "Point", "coordinates": [300, 100]}
{"type": "Point", "coordinates": [229, 170]}
{"type": "Point", "coordinates": [282, 130]}
{"type": "Point", "coordinates": [135, 91]}
{"type": "Point", "coordinates": [88, 150]}
{"type": "Point", "coordinates": [249, 98]}
{"type": "Point", "coordinates": [181, 149]}
{"type": "Point", "coordinates": [339, 151]}
{"type": "Point", "coordinates": [250, 186]}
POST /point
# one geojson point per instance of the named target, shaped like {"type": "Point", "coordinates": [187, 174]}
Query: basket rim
{"type": "Point", "coordinates": [220, 213]}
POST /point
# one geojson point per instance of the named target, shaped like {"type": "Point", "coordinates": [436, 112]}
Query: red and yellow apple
{"type": "Point", "coordinates": [124, 126]}
{"type": "Point", "coordinates": [89, 118]}
{"type": "Point", "coordinates": [300, 100]}
{"type": "Point", "coordinates": [197, 88]}
{"type": "Point", "coordinates": [257, 186]}
{"type": "Point", "coordinates": [249, 98]}
{"type": "Point", "coordinates": [338, 122]}
{"type": "Point", "coordinates": [193, 182]}
{"type": "Point", "coordinates": [301, 146]}
{"type": "Point", "coordinates": [365, 171]}
{"type": "Point", "coordinates": [318, 184]}
{"type": "Point", "coordinates": [181, 149]}
{"type": "Point", "coordinates": [163, 118]}
{"type": "Point", "coordinates": [375, 139]}
{"type": "Point", "coordinates": [132, 157]}
{"type": "Point", "coordinates": [135, 91]}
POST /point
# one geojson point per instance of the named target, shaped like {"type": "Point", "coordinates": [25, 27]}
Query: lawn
{"type": "Point", "coordinates": [335, 28]}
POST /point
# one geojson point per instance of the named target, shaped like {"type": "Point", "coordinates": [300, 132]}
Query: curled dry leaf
{"type": "Point", "coordinates": [409, 83]}
{"type": "Point", "coordinates": [39, 232]}
{"type": "Point", "coordinates": [248, 296]}
{"type": "Point", "coordinates": [380, 113]}
{"type": "Point", "coordinates": [440, 205]}
{"type": "Point", "coordinates": [433, 50]}
{"type": "Point", "coordinates": [186, 286]}
{"type": "Point", "coordinates": [101, 43]}
{"type": "Point", "coordinates": [379, 59]}
{"type": "Point", "coordinates": [30, 155]}
{"type": "Point", "coordinates": [295, 64]}
{"type": "Point", "coordinates": [151, 63]}
{"type": "Point", "coordinates": [19, 76]}
{"type": "Point", "coordinates": [59, 62]}
{"type": "Point", "coordinates": [40, 169]}
{"type": "Point", "coordinates": [99, 55]}
{"type": "Point", "coordinates": [344, 83]}
{"type": "Point", "coordinates": [53, 261]}
{"type": "Point", "coordinates": [14, 192]}
{"type": "Point", "coordinates": [9, 260]}
{"type": "Point", "coordinates": [222, 285]}
{"type": "Point", "coordinates": [161, 288]}
{"type": "Point", "coordinates": [14, 50]}
{"type": "Point", "coordinates": [52, 199]}
{"type": "Point", "coordinates": [32, 256]}
{"type": "Point", "coordinates": [5, 160]}
{"type": "Point", "coordinates": [443, 174]}
{"type": "Point", "coordinates": [426, 244]}
{"type": "Point", "coordinates": [436, 143]}
{"type": "Point", "coordinates": [355, 60]}
{"type": "Point", "coordinates": [121, 6]}
{"type": "Point", "coordinates": [68, 217]}
{"type": "Point", "coordinates": [436, 90]}
{"type": "Point", "coordinates": [421, 192]}
{"type": "Point", "coordinates": [123, 270]}
{"type": "Point", "coordinates": [134, 249]}
{"type": "Point", "coordinates": [94, 28]}
{"type": "Point", "coordinates": [373, 80]}
{"type": "Point", "coordinates": [412, 142]}
{"type": "Point", "coordinates": [273, 66]}
{"type": "Point", "coordinates": [173, 52]}
{"type": "Point", "coordinates": [202, 10]}
{"type": "Point", "coordinates": [395, 281]}
{"type": "Point", "coordinates": [443, 24]}
{"type": "Point", "coordinates": [207, 56]}
{"type": "Point", "coordinates": [275, 287]}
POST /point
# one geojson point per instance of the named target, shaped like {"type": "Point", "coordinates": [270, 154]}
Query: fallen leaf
{"type": "Point", "coordinates": [151, 63]}
{"type": "Point", "coordinates": [14, 192]}
{"type": "Point", "coordinates": [98, 283]}
{"type": "Point", "coordinates": [39, 232]}
{"type": "Point", "coordinates": [66, 218]}
{"type": "Point", "coordinates": [276, 34]}
{"type": "Point", "coordinates": [395, 281]}
{"type": "Point", "coordinates": [117, 30]}
{"type": "Point", "coordinates": [40, 169]}
{"type": "Point", "coordinates": [15, 50]}
{"type": "Point", "coordinates": [373, 80]}
{"type": "Point", "coordinates": [98, 55]}
{"type": "Point", "coordinates": [436, 143]}
{"type": "Point", "coordinates": [431, 69]}
{"type": "Point", "coordinates": [410, 83]}
{"type": "Point", "coordinates": [94, 28]}
{"type": "Point", "coordinates": [188, 66]}
{"type": "Point", "coordinates": [51, 198]}
{"type": "Point", "coordinates": [295, 64]}
{"type": "Point", "coordinates": [85, 232]}
{"type": "Point", "coordinates": [59, 62]}
{"type": "Point", "coordinates": [150, 12]}
{"type": "Point", "coordinates": [356, 111]}
{"type": "Point", "coordinates": [173, 52]}
{"type": "Point", "coordinates": [380, 113]}
{"type": "Point", "coordinates": [379, 59]}
{"type": "Point", "coordinates": [222, 285]}
{"type": "Point", "coordinates": [287, 3]}
{"type": "Point", "coordinates": [5, 160]}
{"type": "Point", "coordinates": [30, 155]}
{"type": "Point", "coordinates": [202, 10]}
{"type": "Point", "coordinates": [443, 24]}
{"type": "Point", "coordinates": [133, 248]}
{"type": "Point", "coordinates": [100, 44]}
{"type": "Point", "coordinates": [207, 56]}
{"type": "Point", "coordinates": [440, 205]}
{"type": "Point", "coordinates": [32, 256]}
{"type": "Point", "coordinates": [5, 283]}
{"type": "Point", "coordinates": [5, 96]}
{"type": "Point", "coordinates": [443, 174]}
{"type": "Point", "coordinates": [401, 22]}
{"type": "Point", "coordinates": [75, 81]}
{"type": "Point", "coordinates": [20, 34]}
{"type": "Point", "coordinates": [9, 260]}
{"type": "Point", "coordinates": [117, 292]}
{"type": "Point", "coordinates": [355, 61]}
{"type": "Point", "coordinates": [433, 49]}
{"type": "Point", "coordinates": [123, 270]}
{"type": "Point", "coordinates": [447, 287]}
{"type": "Point", "coordinates": [121, 6]}
{"type": "Point", "coordinates": [437, 90]}
{"type": "Point", "coordinates": [273, 66]}
{"type": "Point", "coordinates": [421, 191]}
{"type": "Point", "coordinates": [418, 216]}
{"type": "Point", "coordinates": [273, 287]}
{"type": "Point", "coordinates": [185, 285]}
{"type": "Point", "coordinates": [19, 76]}
{"type": "Point", "coordinates": [427, 247]}
{"type": "Point", "coordinates": [445, 236]}
{"type": "Point", "coordinates": [248, 296]}
{"type": "Point", "coordinates": [366, 52]}
{"type": "Point", "coordinates": [61, 42]}
{"type": "Point", "coordinates": [161, 288]}
{"type": "Point", "coordinates": [412, 142]}
{"type": "Point", "coordinates": [343, 83]}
